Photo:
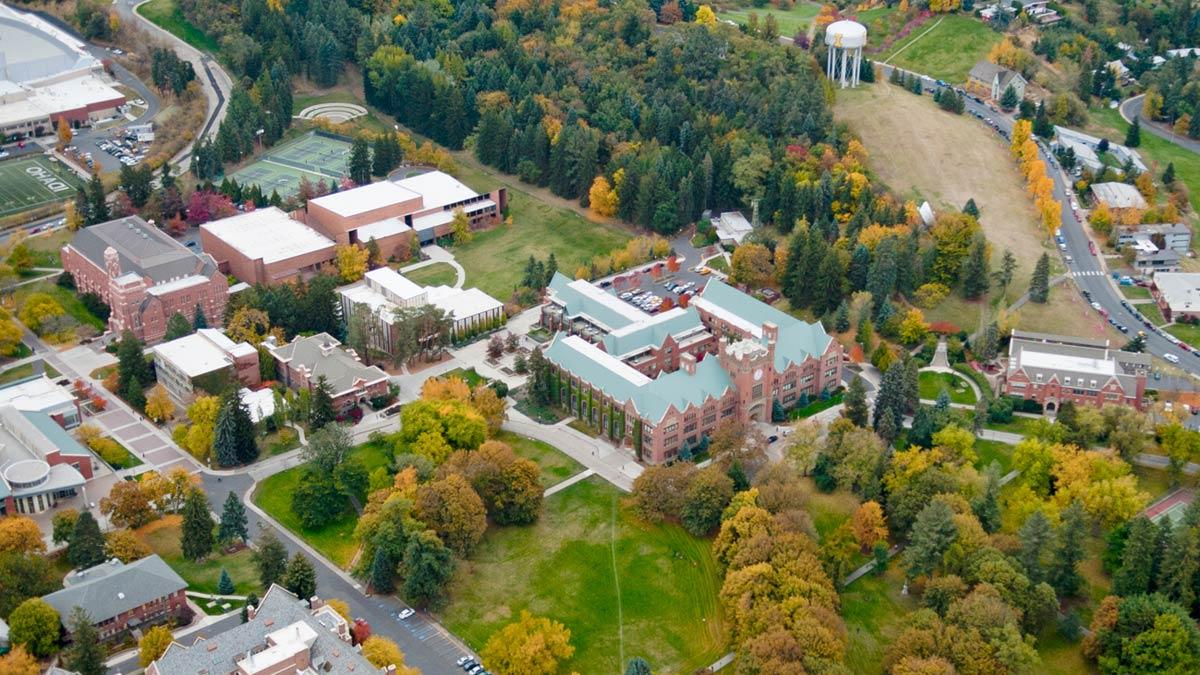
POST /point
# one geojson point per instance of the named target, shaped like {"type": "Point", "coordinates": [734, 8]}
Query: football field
{"type": "Point", "coordinates": [29, 182]}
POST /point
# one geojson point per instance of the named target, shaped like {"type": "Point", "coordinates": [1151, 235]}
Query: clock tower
{"type": "Point", "coordinates": [749, 364]}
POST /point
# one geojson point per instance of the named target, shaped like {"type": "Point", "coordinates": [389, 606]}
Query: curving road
{"type": "Point", "coordinates": [1132, 107]}
{"type": "Point", "coordinates": [1089, 272]}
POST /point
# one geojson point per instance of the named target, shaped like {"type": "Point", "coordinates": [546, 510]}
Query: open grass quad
{"type": "Point", "coordinates": [932, 384]}
{"type": "Point", "coordinates": [437, 274]}
{"type": "Point", "coordinates": [1155, 151]}
{"type": "Point", "coordinates": [944, 48]}
{"type": "Point", "coordinates": [623, 587]}
{"type": "Point", "coordinates": [791, 21]}
{"type": "Point", "coordinates": [162, 536]}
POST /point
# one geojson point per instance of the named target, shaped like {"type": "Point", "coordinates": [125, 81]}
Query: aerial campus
{"type": "Point", "coordinates": [531, 338]}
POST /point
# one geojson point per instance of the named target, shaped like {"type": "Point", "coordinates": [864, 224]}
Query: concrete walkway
{"type": "Point", "coordinates": [437, 254]}
{"type": "Point", "coordinates": [615, 465]}
{"type": "Point", "coordinates": [559, 487]}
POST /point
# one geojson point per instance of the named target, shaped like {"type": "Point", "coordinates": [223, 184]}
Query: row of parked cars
{"type": "Point", "coordinates": [128, 152]}
{"type": "Point", "coordinates": [471, 666]}
{"type": "Point", "coordinates": [646, 301]}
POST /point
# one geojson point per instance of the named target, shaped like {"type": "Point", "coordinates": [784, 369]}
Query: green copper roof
{"type": "Point", "coordinates": [797, 339]}
{"type": "Point", "coordinates": [583, 298]}
{"type": "Point", "coordinates": [651, 398]}
{"type": "Point", "coordinates": [652, 332]}
{"type": "Point", "coordinates": [65, 443]}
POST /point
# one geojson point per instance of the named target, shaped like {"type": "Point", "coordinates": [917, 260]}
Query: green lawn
{"type": "Point", "coordinates": [279, 442]}
{"type": "Point", "coordinates": [1018, 425]}
{"type": "Point", "coordinates": [556, 466]}
{"type": "Point", "coordinates": [335, 540]}
{"type": "Point", "coordinates": [932, 383]}
{"type": "Point", "coordinates": [815, 407]}
{"type": "Point", "coordinates": [162, 536]}
{"type": "Point", "coordinates": [495, 259]}
{"type": "Point", "coordinates": [623, 587]}
{"type": "Point", "coordinates": [829, 509]}
{"type": "Point", "coordinates": [437, 274]}
{"type": "Point", "coordinates": [45, 247]}
{"type": "Point", "coordinates": [718, 263]}
{"type": "Point", "coordinates": [468, 375]}
{"type": "Point", "coordinates": [993, 451]}
{"type": "Point", "coordinates": [946, 52]}
{"type": "Point", "coordinates": [1152, 312]}
{"type": "Point", "coordinates": [790, 21]}
{"type": "Point", "coordinates": [1135, 292]}
{"type": "Point", "coordinates": [167, 15]}
{"type": "Point", "coordinates": [1186, 332]}
{"type": "Point", "coordinates": [874, 612]}
{"type": "Point", "coordinates": [1156, 150]}
{"type": "Point", "coordinates": [215, 609]}
{"type": "Point", "coordinates": [16, 373]}
{"type": "Point", "coordinates": [878, 23]}
{"type": "Point", "coordinates": [302, 101]}
{"type": "Point", "coordinates": [68, 299]}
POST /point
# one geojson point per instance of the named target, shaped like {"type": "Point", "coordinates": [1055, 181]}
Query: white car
{"type": "Point", "coordinates": [1096, 306]}
{"type": "Point", "coordinates": [406, 612]}
{"type": "Point", "coordinates": [1171, 357]}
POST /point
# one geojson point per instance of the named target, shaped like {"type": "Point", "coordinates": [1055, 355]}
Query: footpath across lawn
{"type": "Point", "coordinates": [948, 51]}
{"type": "Point", "coordinates": [623, 587]}
{"type": "Point", "coordinates": [335, 540]}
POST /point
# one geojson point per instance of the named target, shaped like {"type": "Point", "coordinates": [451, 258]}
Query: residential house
{"type": "Point", "coordinates": [283, 635]}
{"type": "Point", "coordinates": [144, 276]}
{"type": "Point", "coordinates": [301, 363]}
{"type": "Point", "coordinates": [122, 596]}
{"type": "Point", "coordinates": [991, 80]}
{"type": "Point", "coordinates": [207, 361]}
{"type": "Point", "coordinates": [266, 246]}
{"type": "Point", "coordinates": [1054, 369]}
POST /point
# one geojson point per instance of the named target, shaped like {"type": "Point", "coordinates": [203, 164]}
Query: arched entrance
{"type": "Point", "coordinates": [756, 412]}
{"type": "Point", "coordinates": [1050, 406]}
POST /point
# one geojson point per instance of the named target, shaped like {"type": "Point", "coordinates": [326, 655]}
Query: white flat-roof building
{"type": "Point", "coordinates": [41, 394]}
{"type": "Point", "coordinates": [1177, 295]}
{"type": "Point", "coordinates": [1118, 196]}
{"type": "Point", "coordinates": [384, 291]}
{"type": "Point", "coordinates": [1086, 147]}
{"type": "Point", "coordinates": [732, 227]}
{"type": "Point", "coordinates": [266, 246]}
{"type": "Point", "coordinates": [206, 360]}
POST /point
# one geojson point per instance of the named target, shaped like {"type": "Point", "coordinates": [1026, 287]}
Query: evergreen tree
{"type": "Point", "coordinates": [932, 533]}
{"type": "Point", "coordinates": [1068, 552]}
{"type": "Point", "coordinates": [1042, 126]}
{"type": "Point", "coordinates": [855, 408]}
{"type": "Point", "coordinates": [986, 506]}
{"type": "Point", "coordinates": [738, 475]}
{"type": "Point", "coordinates": [233, 435]}
{"type": "Point", "coordinates": [359, 166]}
{"type": "Point", "coordinates": [1181, 561]}
{"type": "Point", "coordinates": [1138, 559]}
{"type": "Point", "coordinates": [85, 656]}
{"type": "Point", "coordinates": [971, 209]}
{"type": "Point", "coordinates": [1008, 100]}
{"type": "Point", "coordinates": [1004, 275]}
{"type": "Point", "coordinates": [225, 584]}
{"type": "Point", "coordinates": [637, 666]}
{"type": "Point", "coordinates": [1168, 176]}
{"type": "Point", "coordinates": [976, 276]}
{"type": "Point", "coordinates": [889, 400]}
{"type": "Point", "coordinates": [383, 572]}
{"type": "Point", "coordinates": [198, 319]}
{"type": "Point", "coordinates": [86, 546]}
{"type": "Point", "coordinates": [1039, 287]}
{"type": "Point", "coordinates": [270, 558]}
{"type": "Point", "coordinates": [131, 363]}
{"type": "Point", "coordinates": [841, 319]}
{"type": "Point", "coordinates": [322, 411]}
{"type": "Point", "coordinates": [233, 520]}
{"type": "Point", "coordinates": [196, 533]}
{"type": "Point", "coordinates": [1133, 135]}
{"type": "Point", "coordinates": [97, 209]}
{"type": "Point", "coordinates": [300, 578]}
{"type": "Point", "coordinates": [860, 266]}
{"type": "Point", "coordinates": [1035, 538]}
{"type": "Point", "coordinates": [177, 327]}
{"type": "Point", "coordinates": [910, 389]}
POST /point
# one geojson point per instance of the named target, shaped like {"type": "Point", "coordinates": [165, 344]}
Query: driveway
{"type": "Point", "coordinates": [1132, 107]}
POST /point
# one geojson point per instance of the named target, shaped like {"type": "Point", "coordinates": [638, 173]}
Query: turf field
{"type": "Point", "coordinates": [29, 182]}
{"type": "Point", "coordinates": [313, 155]}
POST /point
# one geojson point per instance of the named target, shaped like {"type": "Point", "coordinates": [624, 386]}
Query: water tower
{"type": "Point", "coordinates": [844, 42]}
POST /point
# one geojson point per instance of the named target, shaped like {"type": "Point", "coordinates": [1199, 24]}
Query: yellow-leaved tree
{"type": "Point", "coordinates": [382, 652]}
{"type": "Point", "coordinates": [705, 16]}
{"type": "Point", "coordinates": [159, 406]}
{"type": "Point", "coordinates": [531, 645]}
{"type": "Point", "coordinates": [460, 228]}
{"type": "Point", "coordinates": [19, 534]}
{"type": "Point", "coordinates": [602, 198]}
{"type": "Point", "coordinates": [352, 262]}
{"type": "Point", "coordinates": [152, 645]}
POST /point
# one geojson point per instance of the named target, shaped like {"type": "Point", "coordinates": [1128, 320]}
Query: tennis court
{"type": "Point", "coordinates": [29, 182]}
{"type": "Point", "coordinates": [315, 155]}
{"type": "Point", "coordinates": [1171, 507]}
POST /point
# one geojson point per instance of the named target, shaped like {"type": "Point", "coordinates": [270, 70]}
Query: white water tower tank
{"type": "Point", "coordinates": [844, 41]}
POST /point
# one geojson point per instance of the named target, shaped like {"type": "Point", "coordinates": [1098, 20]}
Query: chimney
{"type": "Point", "coordinates": [688, 363]}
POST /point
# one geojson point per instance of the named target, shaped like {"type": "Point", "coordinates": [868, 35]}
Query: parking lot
{"type": "Point", "coordinates": [654, 288]}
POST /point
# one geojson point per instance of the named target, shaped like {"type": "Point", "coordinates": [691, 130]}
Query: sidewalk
{"type": "Point", "coordinates": [615, 465]}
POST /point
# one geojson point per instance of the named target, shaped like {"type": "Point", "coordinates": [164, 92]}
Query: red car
{"type": "Point", "coordinates": [1092, 247]}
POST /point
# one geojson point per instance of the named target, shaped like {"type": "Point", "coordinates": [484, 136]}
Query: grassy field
{"type": "Point", "coordinates": [29, 182]}
{"type": "Point", "coordinates": [923, 153]}
{"type": "Point", "coordinates": [874, 612]}
{"type": "Point", "coordinates": [829, 509]}
{"type": "Point", "coordinates": [1066, 314]}
{"type": "Point", "coordinates": [162, 536]}
{"type": "Point", "coordinates": [944, 48]}
{"type": "Point", "coordinates": [468, 375]}
{"type": "Point", "coordinates": [1186, 332]}
{"type": "Point", "coordinates": [437, 274]}
{"type": "Point", "coordinates": [167, 15]}
{"type": "Point", "coordinates": [69, 301]}
{"type": "Point", "coordinates": [791, 21]}
{"type": "Point", "coordinates": [879, 28]}
{"type": "Point", "coordinates": [556, 466]}
{"type": "Point", "coordinates": [1156, 152]}
{"type": "Point", "coordinates": [495, 259]}
{"type": "Point", "coordinates": [623, 587]}
{"type": "Point", "coordinates": [993, 451]}
{"type": "Point", "coordinates": [1135, 292]}
{"type": "Point", "coordinates": [16, 373]}
{"type": "Point", "coordinates": [336, 540]}
{"type": "Point", "coordinates": [1152, 312]}
{"type": "Point", "coordinates": [931, 385]}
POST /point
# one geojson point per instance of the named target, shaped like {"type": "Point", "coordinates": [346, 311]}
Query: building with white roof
{"type": "Point", "coordinates": [207, 361]}
{"type": "Point", "coordinates": [1177, 295]}
{"type": "Point", "coordinates": [260, 402]}
{"type": "Point", "coordinates": [384, 292]}
{"type": "Point", "coordinates": [40, 463]}
{"type": "Point", "coordinates": [47, 75]}
{"type": "Point", "coordinates": [40, 394]}
{"type": "Point", "coordinates": [732, 227]}
{"type": "Point", "coordinates": [266, 246]}
{"type": "Point", "coordinates": [393, 212]}
{"type": "Point", "coordinates": [1118, 197]}
{"type": "Point", "coordinates": [1086, 149]}
{"type": "Point", "coordinates": [1054, 369]}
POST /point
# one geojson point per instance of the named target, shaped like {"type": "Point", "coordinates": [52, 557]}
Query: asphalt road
{"type": "Point", "coordinates": [1086, 270]}
{"type": "Point", "coordinates": [1132, 107]}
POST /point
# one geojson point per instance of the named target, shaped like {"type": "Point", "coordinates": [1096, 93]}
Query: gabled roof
{"type": "Point", "coordinates": [113, 587]}
{"type": "Point", "coordinates": [581, 297]}
{"type": "Point", "coordinates": [322, 355]}
{"type": "Point", "coordinates": [652, 332]}
{"type": "Point", "coordinates": [142, 248]}
{"type": "Point", "coordinates": [798, 340]}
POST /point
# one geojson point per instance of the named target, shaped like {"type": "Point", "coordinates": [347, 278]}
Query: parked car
{"type": "Point", "coordinates": [1171, 357]}
{"type": "Point", "coordinates": [406, 612]}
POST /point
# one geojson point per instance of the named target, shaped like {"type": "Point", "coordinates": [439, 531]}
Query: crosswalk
{"type": "Point", "coordinates": [1087, 273]}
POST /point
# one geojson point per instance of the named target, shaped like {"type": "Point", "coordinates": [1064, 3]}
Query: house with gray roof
{"type": "Point", "coordinates": [283, 634]}
{"type": "Point", "coordinates": [1054, 369]}
{"type": "Point", "coordinates": [664, 383]}
{"type": "Point", "coordinates": [1174, 236]}
{"type": "Point", "coordinates": [303, 362]}
{"type": "Point", "coordinates": [144, 276]}
{"type": "Point", "coordinates": [120, 596]}
{"type": "Point", "coordinates": [991, 80]}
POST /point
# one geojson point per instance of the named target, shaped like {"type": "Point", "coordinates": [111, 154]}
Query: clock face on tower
{"type": "Point", "coordinates": [758, 374]}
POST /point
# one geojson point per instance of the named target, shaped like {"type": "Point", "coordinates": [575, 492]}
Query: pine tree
{"type": "Point", "coordinates": [270, 558]}
{"type": "Point", "coordinates": [300, 577]}
{"type": "Point", "coordinates": [1008, 100]}
{"type": "Point", "coordinates": [359, 166]}
{"type": "Point", "coordinates": [233, 436]}
{"type": "Point", "coordinates": [233, 520]}
{"type": "Point", "coordinates": [976, 276]}
{"type": "Point", "coordinates": [637, 666]}
{"type": "Point", "coordinates": [860, 265]}
{"type": "Point", "coordinates": [986, 506]}
{"type": "Point", "coordinates": [1181, 562]}
{"type": "Point", "coordinates": [85, 655]}
{"type": "Point", "coordinates": [932, 533]}
{"type": "Point", "coordinates": [1042, 127]}
{"type": "Point", "coordinates": [970, 208]}
{"type": "Point", "coordinates": [1168, 176]}
{"type": "Point", "coordinates": [1068, 552]}
{"type": "Point", "coordinates": [177, 327]}
{"type": "Point", "coordinates": [1137, 560]}
{"type": "Point", "coordinates": [855, 408]}
{"type": "Point", "coordinates": [1004, 275]}
{"type": "Point", "coordinates": [383, 572]}
{"type": "Point", "coordinates": [196, 535]}
{"type": "Point", "coordinates": [97, 211]}
{"type": "Point", "coordinates": [86, 547]}
{"type": "Point", "coordinates": [1039, 287]}
{"type": "Point", "coordinates": [225, 584]}
{"type": "Point", "coordinates": [1035, 538]}
{"type": "Point", "coordinates": [736, 474]}
{"type": "Point", "coordinates": [198, 319]}
{"type": "Point", "coordinates": [322, 411]}
{"type": "Point", "coordinates": [1133, 135]}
